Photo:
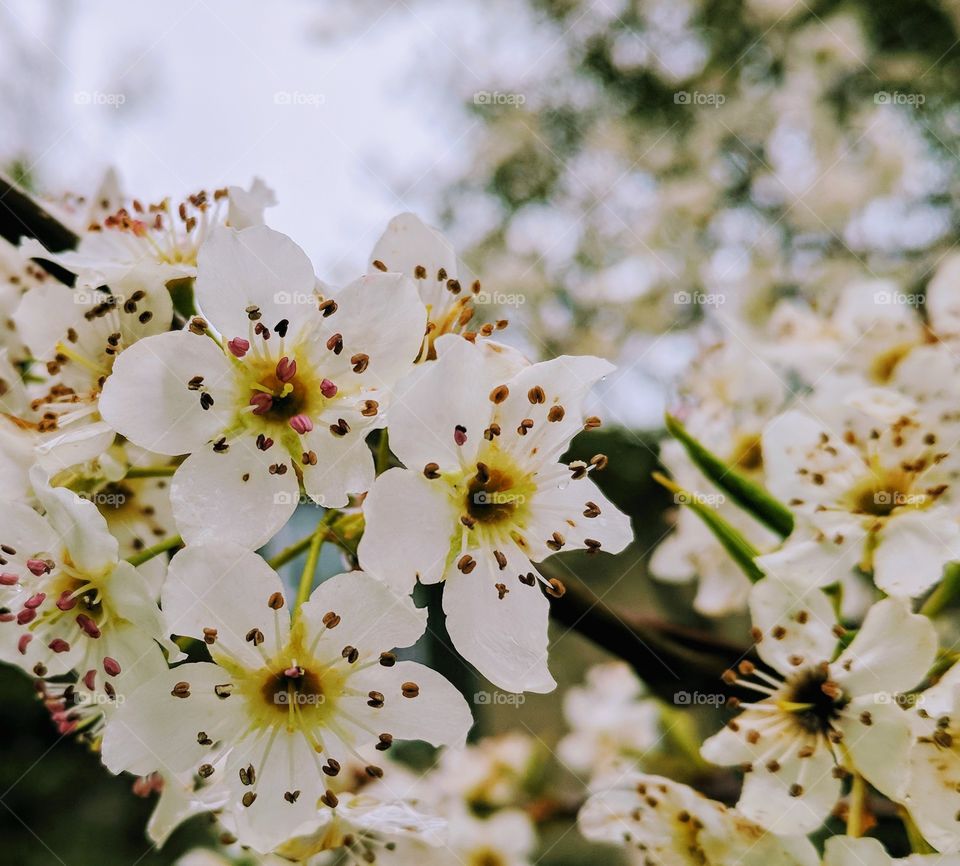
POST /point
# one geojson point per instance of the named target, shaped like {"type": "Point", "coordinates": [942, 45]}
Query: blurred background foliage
{"type": "Point", "coordinates": [638, 162]}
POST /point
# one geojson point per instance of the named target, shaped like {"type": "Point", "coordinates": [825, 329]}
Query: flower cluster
{"type": "Point", "coordinates": [179, 383]}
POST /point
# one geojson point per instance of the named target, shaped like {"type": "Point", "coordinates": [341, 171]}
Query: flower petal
{"type": "Point", "coordinates": [253, 267]}
{"type": "Point", "coordinates": [225, 587]}
{"type": "Point", "coordinates": [149, 400]}
{"type": "Point", "coordinates": [913, 548]}
{"type": "Point", "coordinates": [232, 495]}
{"type": "Point", "coordinates": [792, 625]}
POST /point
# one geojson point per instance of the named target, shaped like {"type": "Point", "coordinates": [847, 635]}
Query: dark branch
{"type": "Point", "coordinates": [21, 216]}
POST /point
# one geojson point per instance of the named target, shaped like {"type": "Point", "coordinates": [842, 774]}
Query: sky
{"type": "Point", "coordinates": [341, 108]}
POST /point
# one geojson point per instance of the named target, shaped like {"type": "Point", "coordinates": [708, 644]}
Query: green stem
{"type": "Point", "coordinates": [149, 553]}
{"type": "Point", "coordinates": [291, 552]}
{"type": "Point", "coordinates": [313, 557]}
{"type": "Point", "coordinates": [151, 471]}
{"type": "Point", "coordinates": [855, 813]}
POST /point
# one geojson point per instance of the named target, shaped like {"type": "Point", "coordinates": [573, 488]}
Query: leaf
{"type": "Point", "coordinates": [746, 493]}
{"type": "Point", "coordinates": [741, 551]}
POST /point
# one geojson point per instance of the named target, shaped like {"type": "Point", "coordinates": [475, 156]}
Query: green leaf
{"type": "Point", "coordinates": [741, 551]}
{"type": "Point", "coordinates": [746, 493]}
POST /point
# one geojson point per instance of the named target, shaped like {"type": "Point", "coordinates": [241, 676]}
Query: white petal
{"type": "Point", "coordinates": [232, 496]}
{"type": "Point", "coordinates": [766, 799]}
{"type": "Point", "coordinates": [874, 663]}
{"type": "Point", "coordinates": [247, 205]}
{"type": "Point", "coordinates": [565, 382]}
{"type": "Point", "coordinates": [409, 526]}
{"type": "Point", "coordinates": [225, 587]}
{"type": "Point", "coordinates": [877, 734]}
{"type": "Point", "coordinates": [344, 465]}
{"type": "Point", "coordinates": [913, 548]}
{"type": "Point", "coordinates": [156, 730]}
{"type": "Point", "coordinates": [373, 618]}
{"type": "Point", "coordinates": [256, 266]}
{"type": "Point", "coordinates": [438, 714]}
{"type": "Point", "coordinates": [503, 638]}
{"type": "Point", "coordinates": [560, 506]}
{"type": "Point", "coordinates": [850, 851]}
{"type": "Point", "coordinates": [792, 624]}
{"type": "Point", "coordinates": [82, 529]}
{"type": "Point", "coordinates": [382, 316]}
{"type": "Point", "coordinates": [451, 392]}
{"type": "Point", "coordinates": [148, 400]}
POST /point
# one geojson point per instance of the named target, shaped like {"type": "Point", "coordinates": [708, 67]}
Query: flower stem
{"type": "Point", "coordinates": [151, 471]}
{"type": "Point", "coordinates": [160, 547]}
{"type": "Point", "coordinates": [855, 812]}
{"type": "Point", "coordinates": [946, 591]}
{"type": "Point", "coordinates": [313, 557]}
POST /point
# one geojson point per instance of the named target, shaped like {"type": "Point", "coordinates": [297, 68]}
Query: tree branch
{"type": "Point", "coordinates": [21, 216]}
{"type": "Point", "coordinates": [671, 659]}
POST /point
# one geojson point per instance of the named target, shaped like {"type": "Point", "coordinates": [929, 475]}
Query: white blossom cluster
{"type": "Point", "coordinates": [183, 392]}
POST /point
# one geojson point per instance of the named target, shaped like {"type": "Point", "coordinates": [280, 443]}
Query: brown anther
{"type": "Point", "coordinates": [276, 601]}
{"type": "Point", "coordinates": [466, 563]}
{"type": "Point", "coordinates": [599, 462]}
{"type": "Point", "coordinates": [388, 660]}
{"type": "Point", "coordinates": [409, 690]}
{"type": "Point", "coordinates": [385, 741]}
{"type": "Point", "coordinates": [329, 799]}
{"type": "Point", "coordinates": [181, 690]}
{"type": "Point", "coordinates": [591, 509]}
{"type": "Point", "coordinates": [198, 326]}
{"type": "Point", "coordinates": [370, 408]}
{"type": "Point", "coordinates": [331, 768]}
{"type": "Point", "coordinates": [432, 471]}
{"type": "Point", "coordinates": [380, 266]}
{"type": "Point", "coordinates": [328, 307]}
{"type": "Point", "coordinates": [556, 541]}
{"type": "Point", "coordinates": [501, 559]}
{"type": "Point", "coordinates": [331, 619]}
{"type": "Point", "coordinates": [223, 691]}
{"type": "Point", "coordinates": [335, 344]}
{"type": "Point", "coordinates": [536, 395]}
{"type": "Point", "coordinates": [375, 700]}
{"type": "Point", "coordinates": [360, 362]}
{"type": "Point", "coordinates": [555, 588]}
{"type": "Point", "coordinates": [209, 636]}
{"type": "Point", "coordinates": [501, 589]}
{"type": "Point", "coordinates": [248, 799]}
{"type": "Point", "coordinates": [593, 546]}
{"type": "Point", "coordinates": [525, 425]}
{"type": "Point", "coordinates": [373, 771]}
{"type": "Point", "coordinates": [254, 636]}
{"type": "Point", "coordinates": [350, 653]}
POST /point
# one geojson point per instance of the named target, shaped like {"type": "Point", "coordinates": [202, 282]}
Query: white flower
{"type": "Point", "coordinates": [155, 243]}
{"type": "Point", "coordinates": [820, 719]}
{"type": "Point", "coordinates": [669, 823]}
{"type": "Point", "coordinates": [848, 851]}
{"type": "Point", "coordinates": [877, 495]}
{"type": "Point", "coordinates": [362, 826]}
{"type": "Point", "coordinates": [285, 398]}
{"type": "Point", "coordinates": [611, 720]}
{"type": "Point", "coordinates": [284, 704]}
{"type": "Point", "coordinates": [932, 795]}
{"type": "Point", "coordinates": [488, 774]}
{"type": "Point", "coordinates": [69, 602]}
{"type": "Point", "coordinates": [79, 334]}
{"type": "Point", "coordinates": [505, 838]}
{"type": "Point", "coordinates": [484, 496]}
{"type": "Point", "coordinates": [180, 797]}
